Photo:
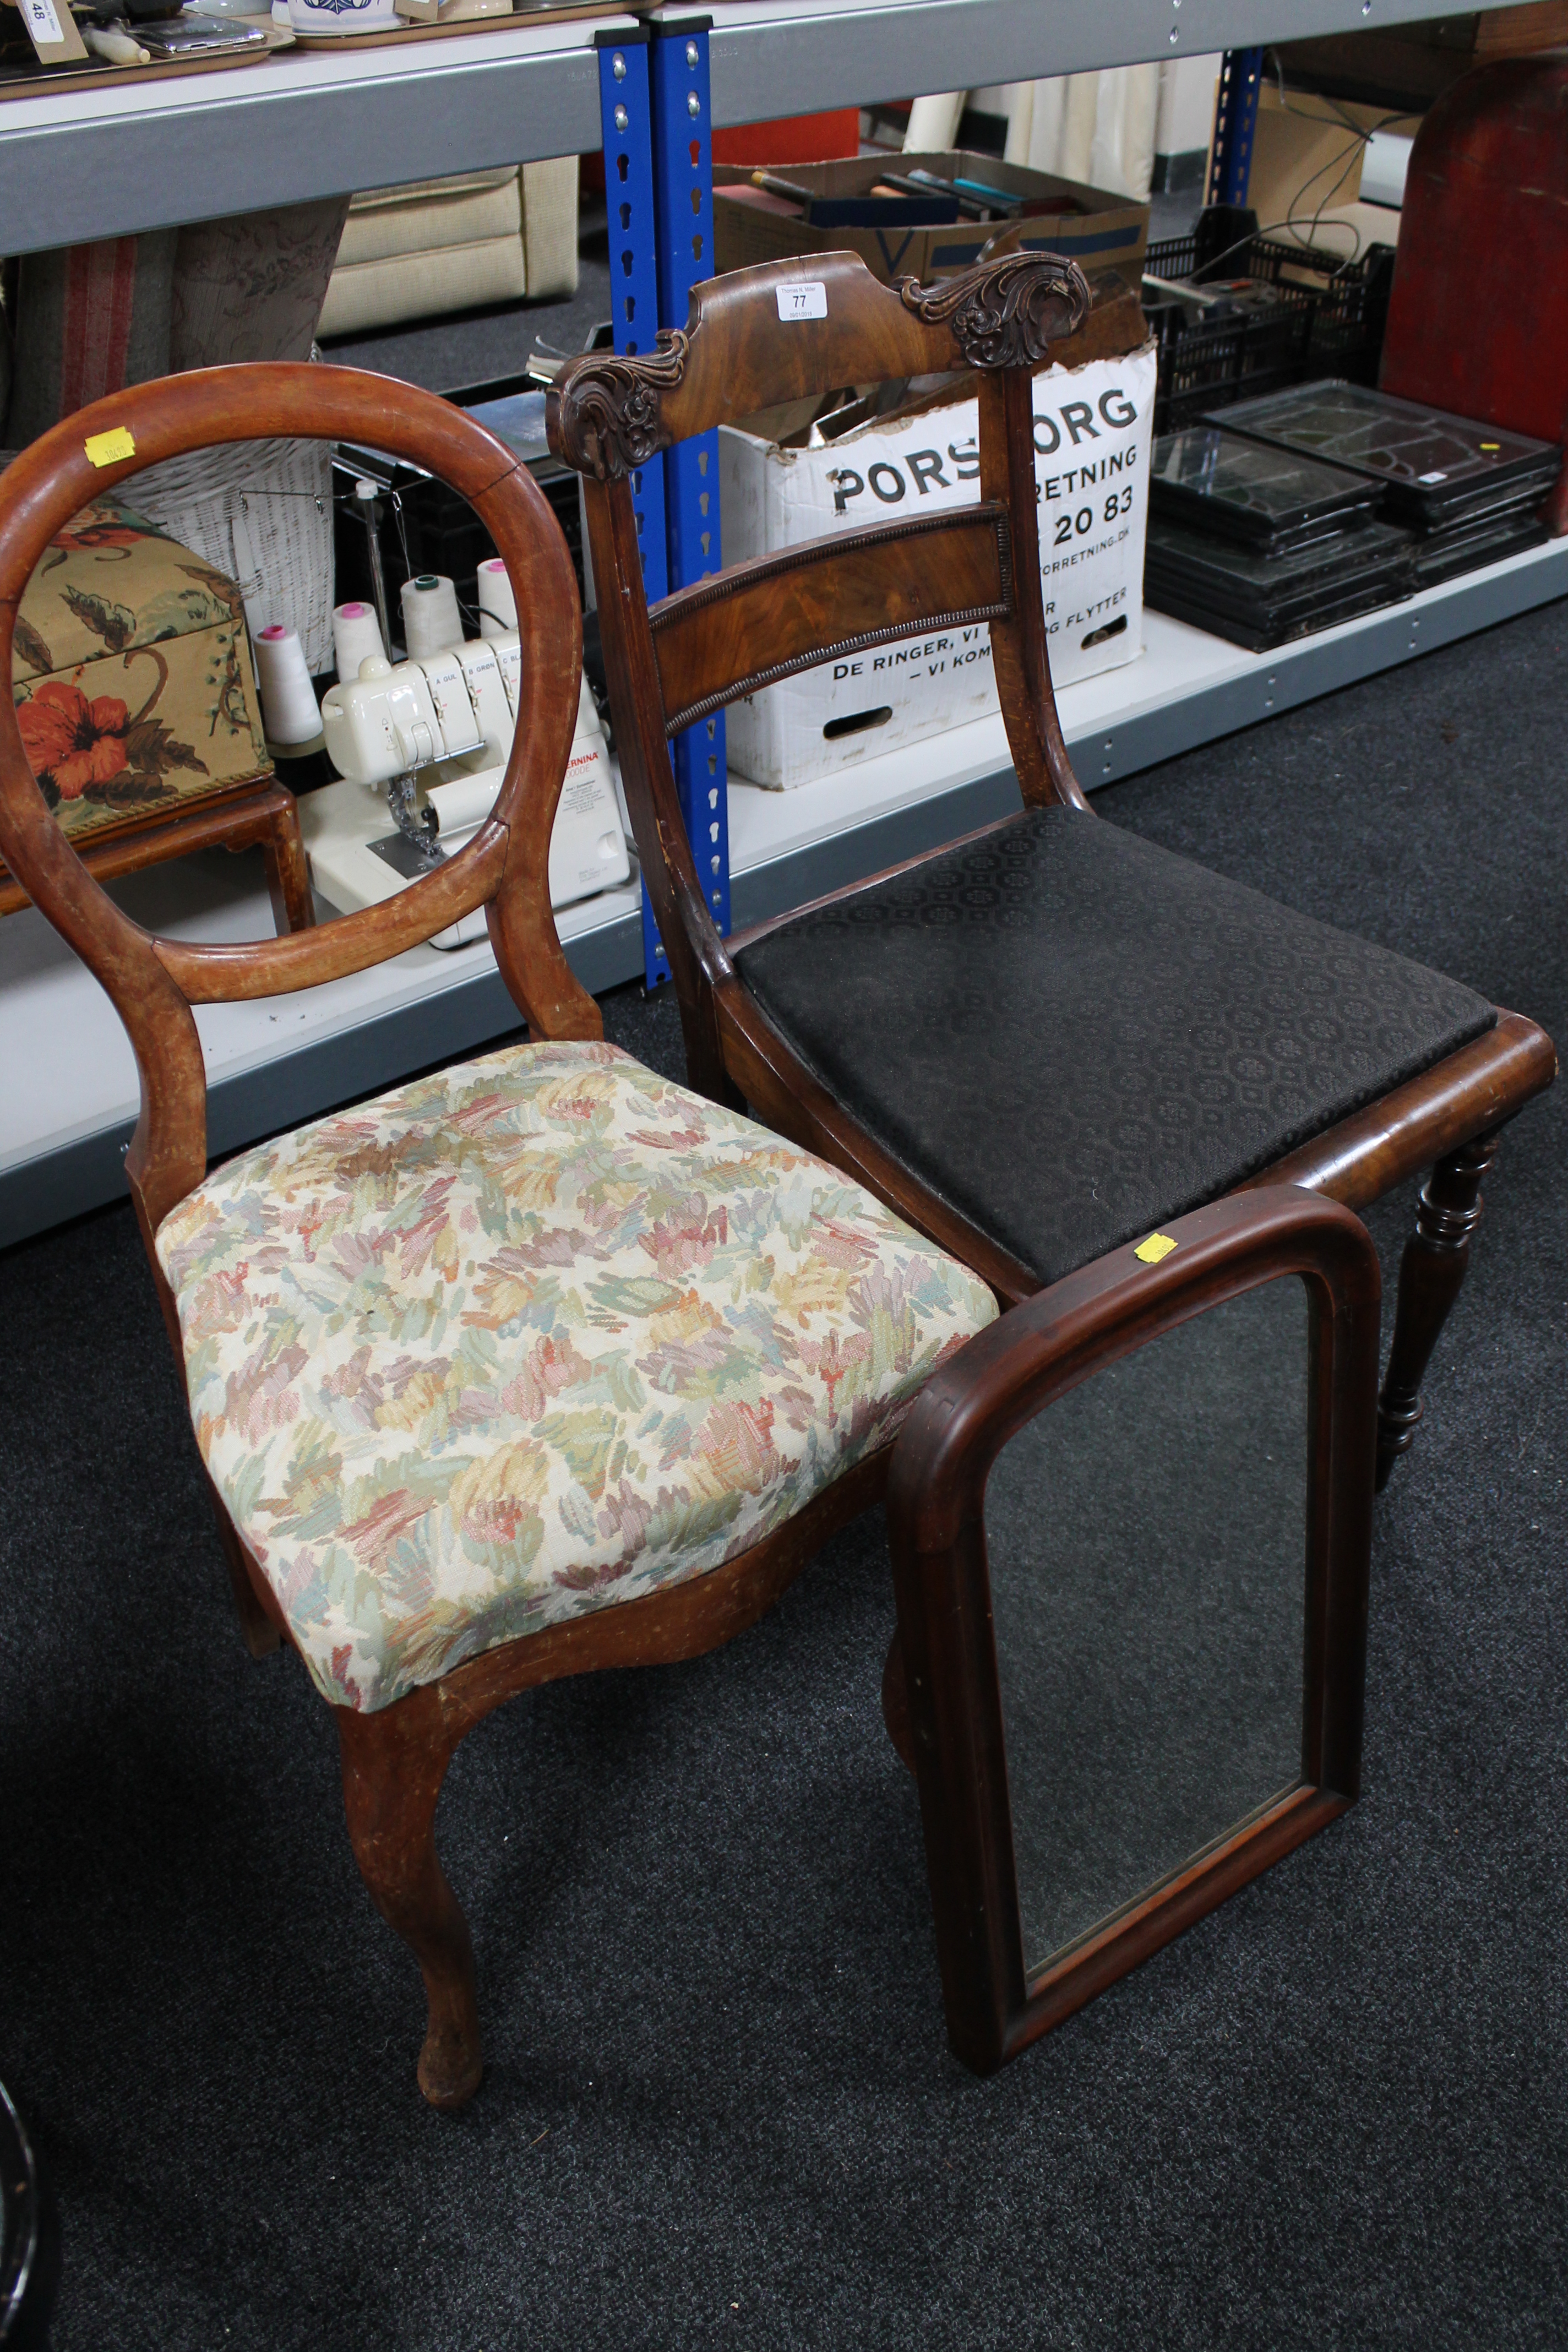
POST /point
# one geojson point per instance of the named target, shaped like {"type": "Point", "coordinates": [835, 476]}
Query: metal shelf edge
{"type": "Point", "coordinates": [42, 1191]}
{"type": "Point", "coordinates": [127, 158]}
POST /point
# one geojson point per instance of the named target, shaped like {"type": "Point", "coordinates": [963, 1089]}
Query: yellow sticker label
{"type": "Point", "coordinates": [110, 449]}
{"type": "Point", "coordinates": [1157, 1246]}
{"type": "Point", "coordinates": [1491, 444]}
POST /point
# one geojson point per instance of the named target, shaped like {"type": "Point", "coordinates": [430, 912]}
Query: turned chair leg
{"type": "Point", "coordinates": [394, 1765]}
{"type": "Point", "coordinates": [1431, 1273]}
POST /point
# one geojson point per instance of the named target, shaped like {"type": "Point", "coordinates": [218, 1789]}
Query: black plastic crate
{"type": "Point", "coordinates": [1328, 322]}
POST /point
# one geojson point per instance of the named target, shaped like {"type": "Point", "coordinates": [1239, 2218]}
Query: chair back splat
{"type": "Point", "coordinates": [153, 982]}
{"type": "Point", "coordinates": [754, 623]}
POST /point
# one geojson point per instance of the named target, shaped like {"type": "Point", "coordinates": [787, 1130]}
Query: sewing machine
{"type": "Point", "coordinates": [421, 747]}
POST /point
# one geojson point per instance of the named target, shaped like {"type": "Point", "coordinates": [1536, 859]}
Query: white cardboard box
{"type": "Point", "coordinates": [1093, 431]}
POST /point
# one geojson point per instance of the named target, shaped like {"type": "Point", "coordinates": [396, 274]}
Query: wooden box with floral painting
{"type": "Point", "coordinates": [137, 708]}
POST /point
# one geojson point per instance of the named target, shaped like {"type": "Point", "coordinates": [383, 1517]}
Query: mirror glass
{"type": "Point", "coordinates": [1147, 1544]}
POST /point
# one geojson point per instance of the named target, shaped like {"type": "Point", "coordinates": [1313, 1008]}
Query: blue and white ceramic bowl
{"type": "Point", "coordinates": [316, 20]}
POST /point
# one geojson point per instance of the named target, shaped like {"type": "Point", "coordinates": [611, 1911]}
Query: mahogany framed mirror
{"type": "Point", "coordinates": [1131, 1529]}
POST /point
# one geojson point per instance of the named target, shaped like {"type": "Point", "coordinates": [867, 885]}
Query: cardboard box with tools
{"type": "Point", "coordinates": [913, 231]}
{"type": "Point", "coordinates": [1093, 427]}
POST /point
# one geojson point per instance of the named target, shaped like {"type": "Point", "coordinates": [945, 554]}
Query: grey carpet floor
{"type": "Point", "coordinates": [720, 2106]}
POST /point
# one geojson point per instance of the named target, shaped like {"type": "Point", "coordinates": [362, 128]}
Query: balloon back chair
{"type": "Point", "coordinates": [1040, 1041]}
{"type": "Point", "coordinates": [536, 1366]}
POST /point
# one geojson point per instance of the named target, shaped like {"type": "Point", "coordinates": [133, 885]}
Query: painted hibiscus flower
{"type": "Point", "coordinates": [106, 529]}
{"type": "Point", "coordinates": [72, 742]}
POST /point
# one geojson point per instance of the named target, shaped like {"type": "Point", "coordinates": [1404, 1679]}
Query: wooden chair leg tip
{"type": "Point", "coordinates": [448, 2078]}
{"type": "Point", "coordinates": [1396, 1436]}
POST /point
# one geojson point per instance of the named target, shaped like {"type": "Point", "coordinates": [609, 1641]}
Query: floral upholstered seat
{"type": "Point", "coordinates": [531, 1336]}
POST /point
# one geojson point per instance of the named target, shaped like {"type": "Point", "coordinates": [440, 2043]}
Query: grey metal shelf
{"type": "Point", "coordinates": [92, 163]}
{"type": "Point", "coordinates": [1188, 689]}
{"type": "Point", "coordinates": [153, 154]}
{"type": "Point", "coordinates": [75, 167]}
{"type": "Point", "coordinates": [770, 60]}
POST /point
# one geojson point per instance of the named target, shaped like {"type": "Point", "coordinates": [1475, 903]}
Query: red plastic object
{"type": "Point", "coordinates": [1478, 319]}
{"type": "Point", "coordinates": [796, 138]}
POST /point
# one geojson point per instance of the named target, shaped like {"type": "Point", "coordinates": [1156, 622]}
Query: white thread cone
{"type": "Point", "coordinates": [430, 620]}
{"type": "Point", "coordinates": [356, 637]}
{"type": "Point", "coordinates": [288, 700]}
{"type": "Point", "coordinates": [497, 605]}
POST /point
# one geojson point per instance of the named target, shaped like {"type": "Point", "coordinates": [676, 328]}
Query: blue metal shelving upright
{"type": "Point", "coordinates": [625, 103]}
{"type": "Point", "coordinates": [683, 212]}
{"type": "Point", "coordinates": [659, 188]}
{"type": "Point", "coordinates": [625, 108]}
{"type": "Point", "coordinates": [1235, 119]}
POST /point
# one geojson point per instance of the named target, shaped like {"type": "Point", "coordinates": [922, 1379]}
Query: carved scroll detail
{"type": "Point", "coordinates": [607, 410]}
{"type": "Point", "coordinates": [1004, 313]}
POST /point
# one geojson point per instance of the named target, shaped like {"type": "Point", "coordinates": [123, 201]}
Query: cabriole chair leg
{"type": "Point", "coordinates": [1431, 1273]}
{"type": "Point", "coordinates": [394, 1764]}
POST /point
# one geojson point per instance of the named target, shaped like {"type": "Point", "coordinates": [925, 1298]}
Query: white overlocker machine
{"type": "Point", "coordinates": [421, 747]}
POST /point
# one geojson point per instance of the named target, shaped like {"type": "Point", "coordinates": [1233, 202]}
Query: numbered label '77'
{"type": "Point", "coordinates": [807, 300]}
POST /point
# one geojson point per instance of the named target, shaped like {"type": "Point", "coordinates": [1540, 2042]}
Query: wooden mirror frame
{"type": "Point", "coordinates": [942, 1695]}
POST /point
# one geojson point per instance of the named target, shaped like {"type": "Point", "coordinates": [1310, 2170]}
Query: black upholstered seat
{"type": "Point", "coordinates": [1070, 1034]}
